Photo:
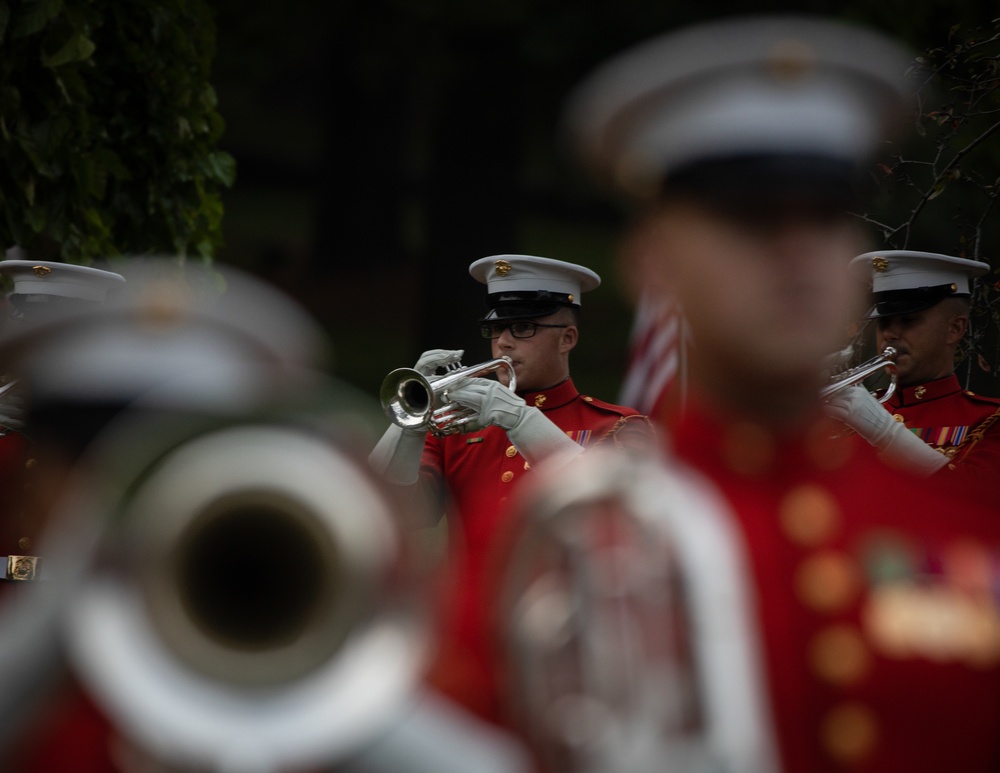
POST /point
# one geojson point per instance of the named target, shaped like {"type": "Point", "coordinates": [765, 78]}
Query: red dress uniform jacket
{"type": "Point", "coordinates": [961, 424]}
{"type": "Point", "coordinates": [479, 470]}
{"type": "Point", "coordinates": [18, 533]}
{"type": "Point", "coordinates": [876, 601]}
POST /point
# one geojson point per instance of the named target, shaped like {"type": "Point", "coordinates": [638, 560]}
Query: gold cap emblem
{"type": "Point", "coordinates": [41, 270]}
{"type": "Point", "coordinates": [880, 264]}
{"type": "Point", "coordinates": [791, 60]}
{"type": "Point", "coordinates": [502, 267]}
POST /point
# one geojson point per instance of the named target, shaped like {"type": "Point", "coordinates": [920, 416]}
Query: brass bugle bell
{"type": "Point", "coordinates": [257, 602]}
{"type": "Point", "coordinates": [414, 401]}
{"type": "Point", "coordinates": [885, 361]}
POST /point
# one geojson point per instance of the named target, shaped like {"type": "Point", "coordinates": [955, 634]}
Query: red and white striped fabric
{"type": "Point", "coordinates": [656, 369]}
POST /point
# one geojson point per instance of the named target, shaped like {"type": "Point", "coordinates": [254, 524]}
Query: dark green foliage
{"type": "Point", "coordinates": [938, 192]}
{"type": "Point", "coordinates": [109, 129]}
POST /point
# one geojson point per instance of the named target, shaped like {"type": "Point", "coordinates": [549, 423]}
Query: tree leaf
{"type": "Point", "coordinates": [77, 49]}
{"type": "Point", "coordinates": [938, 188]}
{"type": "Point", "coordinates": [223, 167]}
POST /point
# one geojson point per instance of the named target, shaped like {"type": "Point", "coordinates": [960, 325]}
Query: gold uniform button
{"type": "Point", "coordinates": [827, 581]}
{"type": "Point", "coordinates": [809, 515]}
{"type": "Point", "coordinates": [849, 732]}
{"type": "Point", "coordinates": [24, 543]}
{"type": "Point", "coordinates": [507, 477]}
{"type": "Point", "coordinates": [30, 464]}
{"type": "Point", "coordinates": [838, 654]}
{"type": "Point", "coordinates": [898, 417]}
{"type": "Point", "coordinates": [511, 452]}
{"type": "Point", "coordinates": [588, 398]}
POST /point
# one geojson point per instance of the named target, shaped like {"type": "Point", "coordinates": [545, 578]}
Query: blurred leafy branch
{"type": "Point", "coordinates": [109, 129]}
{"type": "Point", "coordinates": [938, 191]}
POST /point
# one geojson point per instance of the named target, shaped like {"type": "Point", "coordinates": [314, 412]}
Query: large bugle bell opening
{"type": "Point", "coordinates": [413, 401]}
{"type": "Point", "coordinates": [256, 603]}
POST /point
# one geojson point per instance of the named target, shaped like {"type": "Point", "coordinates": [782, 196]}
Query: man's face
{"type": "Point", "coordinates": [766, 299]}
{"type": "Point", "coordinates": [541, 361]}
{"type": "Point", "coordinates": [924, 340]}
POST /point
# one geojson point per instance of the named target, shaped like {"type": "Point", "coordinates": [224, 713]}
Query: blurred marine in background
{"type": "Point", "coordinates": [773, 597]}
{"type": "Point", "coordinates": [921, 308]}
{"type": "Point", "coordinates": [39, 291]}
{"type": "Point", "coordinates": [227, 587]}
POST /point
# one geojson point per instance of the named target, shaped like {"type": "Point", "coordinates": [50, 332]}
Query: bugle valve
{"type": "Point", "coordinates": [886, 361]}
{"type": "Point", "coordinates": [414, 401]}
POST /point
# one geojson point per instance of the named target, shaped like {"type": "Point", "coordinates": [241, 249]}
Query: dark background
{"type": "Point", "coordinates": [383, 145]}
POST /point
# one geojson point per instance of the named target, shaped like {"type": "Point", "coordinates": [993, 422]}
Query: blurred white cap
{"type": "Point", "coordinates": [63, 280]}
{"type": "Point", "coordinates": [754, 87]}
{"type": "Point", "coordinates": [192, 334]}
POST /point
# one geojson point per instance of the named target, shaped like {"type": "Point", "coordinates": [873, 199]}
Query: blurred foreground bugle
{"type": "Point", "coordinates": [255, 601]}
{"type": "Point", "coordinates": [627, 638]}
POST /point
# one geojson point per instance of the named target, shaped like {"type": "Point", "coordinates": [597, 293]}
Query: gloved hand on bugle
{"type": "Point", "coordinates": [397, 454]}
{"type": "Point", "coordinates": [433, 359]}
{"type": "Point", "coordinates": [859, 410]}
{"type": "Point", "coordinates": [535, 436]}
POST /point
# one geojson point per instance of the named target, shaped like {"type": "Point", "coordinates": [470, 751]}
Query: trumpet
{"type": "Point", "coordinates": [885, 361]}
{"type": "Point", "coordinates": [413, 401]}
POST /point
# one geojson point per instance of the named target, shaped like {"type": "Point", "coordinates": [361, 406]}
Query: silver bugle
{"type": "Point", "coordinates": [413, 401]}
{"type": "Point", "coordinates": [885, 361]}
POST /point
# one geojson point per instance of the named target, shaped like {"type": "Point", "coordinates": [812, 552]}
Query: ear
{"type": "Point", "coordinates": [957, 325]}
{"type": "Point", "coordinates": [570, 335]}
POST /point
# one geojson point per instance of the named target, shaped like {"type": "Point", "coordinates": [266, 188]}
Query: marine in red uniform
{"type": "Point", "coordinates": [873, 598]}
{"type": "Point", "coordinates": [533, 313]}
{"type": "Point", "coordinates": [39, 290]}
{"type": "Point", "coordinates": [958, 422]}
{"type": "Point", "coordinates": [921, 308]}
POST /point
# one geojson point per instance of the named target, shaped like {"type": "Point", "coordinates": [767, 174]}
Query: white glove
{"type": "Point", "coordinates": [535, 436]}
{"type": "Point", "coordinates": [433, 359]}
{"type": "Point", "coordinates": [859, 410]}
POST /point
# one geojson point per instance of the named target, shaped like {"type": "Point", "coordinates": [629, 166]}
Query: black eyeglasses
{"type": "Point", "coordinates": [517, 329]}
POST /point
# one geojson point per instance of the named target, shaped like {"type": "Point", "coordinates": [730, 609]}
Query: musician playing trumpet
{"type": "Point", "coordinates": [533, 317]}
{"type": "Point", "coordinates": [920, 306]}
